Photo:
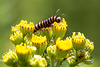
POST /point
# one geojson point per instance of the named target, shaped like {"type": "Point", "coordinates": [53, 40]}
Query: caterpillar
{"type": "Point", "coordinates": [47, 23]}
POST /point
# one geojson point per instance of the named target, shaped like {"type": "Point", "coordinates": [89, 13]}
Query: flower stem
{"type": "Point", "coordinates": [52, 62]}
{"type": "Point", "coordinates": [58, 63]}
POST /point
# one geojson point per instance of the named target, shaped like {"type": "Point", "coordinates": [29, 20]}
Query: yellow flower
{"type": "Point", "coordinates": [10, 58]}
{"type": "Point", "coordinates": [64, 45]}
{"type": "Point", "coordinates": [38, 61]}
{"type": "Point", "coordinates": [59, 29]}
{"type": "Point", "coordinates": [17, 37]}
{"type": "Point", "coordinates": [22, 49]}
{"type": "Point", "coordinates": [23, 52]}
{"type": "Point", "coordinates": [38, 40]}
{"type": "Point", "coordinates": [51, 51]}
{"type": "Point", "coordinates": [30, 27]}
{"type": "Point", "coordinates": [40, 43]}
{"type": "Point", "coordinates": [25, 27]}
{"type": "Point", "coordinates": [78, 40]}
{"type": "Point", "coordinates": [15, 29]}
{"type": "Point", "coordinates": [89, 45]}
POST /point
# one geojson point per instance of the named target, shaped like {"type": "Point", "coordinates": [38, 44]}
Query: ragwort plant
{"type": "Point", "coordinates": [46, 47]}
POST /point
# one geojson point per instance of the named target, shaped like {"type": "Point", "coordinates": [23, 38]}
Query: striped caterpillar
{"type": "Point", "coordinates": [47, 23]}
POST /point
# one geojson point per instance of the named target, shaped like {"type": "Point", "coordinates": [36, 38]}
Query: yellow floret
{"type": "Point", "coordinates": [78, 39]}
{"type": "Point", "coordinates": [25, 27]}
{"type": "Point", "coordinates": [64, 45]}
{"type": "Point", "coordinates": [89, 45]}
{"type": "Point", "coordinates": [17, 37]}
{"type": "Point", "coordinates": [59, 29]}
{"type": "Point", "coordinates": [22, 49]}
{"type": "Point", "coordinates": [60, 26]}
{"type": "Point", "coordinates": [15, 29]}
{"type": "Point", "coordinates": [38, 40]}
{"type": "Point", "coordinates": [10, 58]}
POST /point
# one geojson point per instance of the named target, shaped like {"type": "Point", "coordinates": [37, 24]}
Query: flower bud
{"type": "Point", "coordinates": [17, 37]}
{"type": "Point", "coordinates": [78, 41]}
{"type": "Point", "coordinates": [89, 46]}
{"type": "Point", "coordinates": [33, 49]}
{"type": "Point", "coordinates": [37, 61]}
{"type": "Point", "coordinates": [28, 39]}
{"type": "Point", "coordinates": [26, 28]}
{"type": "Point", "coordinates": [15, 29]}
{"type": "Point", "coordinates": [46, 32]}
{"type": "Point", "coordinates": [30, 27]}
{"type": "Point", "coordinates": [87, 55]}
{"type": "Point", "coordinates": [51, 51]}
{"type": "Point", "coordinates": [71, 58]}
{"type": "Point", "coordinates": [89, 61]}
{"type": "Point", "coordinates": [10, 58]}
{"type": "Point", "coordinates": [59, 29]}
{"type": "Point", "coordinates": [40, 43]}
{"type": "Point", "coordinates": [23, 25]}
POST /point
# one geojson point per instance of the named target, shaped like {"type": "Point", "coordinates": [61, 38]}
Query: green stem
{"type": "Point", "coordinates": [52, 62]}
{"type": "Point", "coordinates": [54, 40]}
{"type": "Point", "coordinates": [23, 38]}
{"type": "Point", "coordinates": [15, 64]}
{"type": "Point", "coordinates": [58, 63]}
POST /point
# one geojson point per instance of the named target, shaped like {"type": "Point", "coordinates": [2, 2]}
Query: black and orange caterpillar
{"type": "Point", "coordinates": [47, 23]}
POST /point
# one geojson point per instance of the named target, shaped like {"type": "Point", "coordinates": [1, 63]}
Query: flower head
{"type": "Point", "coordinates": [64, 45]}
{"type": "Point", "coordinates": [89, 61]}
{"type": "Point", "coordinates": [17, 37]}
{"type": "Point", "coordinates": [51, 51]}
{"type": "Point", "coordinates": [78, 40]}
{"type": "Point", "coordinates": [71, 57]}
{"type": "Point", "coordinates": [10, 58]}
{"type": "Point", "coordinates": [38, 61]}
{"type": "Point", "coordinates": [89, 45]}
{"type": "Point", "coordinates": [59, 29]}
{"type": "Point", "coordinates": [15, 28]}
{"type": "Point", "coordinates": [30, 28]}
{"type": "Point", "coordinates": [25, 27]}
{"type": "Point", "coordinates": [23, 52]}
{"type": "Point", "coordinates": [40, 43]}
{"type": "Point", "coordinates": [38, 40]}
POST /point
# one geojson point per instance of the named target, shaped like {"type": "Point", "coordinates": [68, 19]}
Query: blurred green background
{"type": "Point", "coordinates": [81, 15]}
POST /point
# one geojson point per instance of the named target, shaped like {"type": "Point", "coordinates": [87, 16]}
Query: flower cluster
{"type": "Point", "coordinates": [46, 48]}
